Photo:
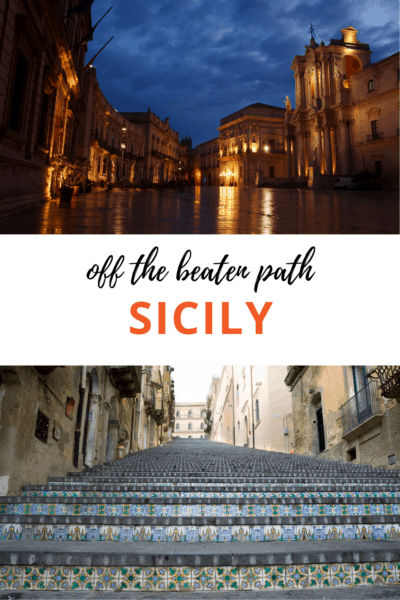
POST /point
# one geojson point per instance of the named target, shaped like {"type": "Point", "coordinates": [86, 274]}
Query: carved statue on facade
{"type": "Point", "coordinates": [287, 102]}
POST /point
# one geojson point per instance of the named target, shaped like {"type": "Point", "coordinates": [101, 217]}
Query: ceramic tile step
{"type": "Point", "coordinates": [198, 507]}
{"type": "Point", "coordinates": [162, 494]}
{"type": "Point", "coordinates": [149, 530]}
{"type": "Point", "coordinates": [242, 480]}
{"type": "Point", "coordinates": [190, 483]}
{"type": "Point", "coordinates": [254, 499]}
{"type": "Point", "coordinates": [276, 578]}
{"type": "Point", "coordinates": [234, 472]}
{"type": "Point", "coordinates": [212, 487]}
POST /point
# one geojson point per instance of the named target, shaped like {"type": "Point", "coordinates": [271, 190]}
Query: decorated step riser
{"type": "Point", "coordinates": [238, 480]}
{"type": "Point", "coordinates": [208, 484]}
{"type": "Point", "coordinates": [185, 579]}
{"type": "Point", "coordinates": [80, 494]}
{"type": "Point", "coordinates": [201, 510]}
{"type": "Point", "coordinates": [174, 533]}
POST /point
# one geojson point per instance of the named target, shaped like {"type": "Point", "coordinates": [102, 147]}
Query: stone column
{"type": "Point", "coordinates": [295, 161]}
{"type": "Point", "coordinates": [323, 78]}
{"type": "Point", "coordinates": [319, 149]}
{"type": "Point", "coordinates": [328, 151]}
{"type": "Point", "coordinates": [344, 147]}
{"type": "Point", "coordinates": [92, 429]}
{"type": "Point", "coordinates": [300, 150]}
{"type": "Point", "coordinates": [289, 157]}
{"type": "Point", "coordinates": [316, 81]}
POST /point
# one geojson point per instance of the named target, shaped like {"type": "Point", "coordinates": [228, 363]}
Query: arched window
{"type": "Point", "coordinates": [189, 413]}
{"type": "Point", "coordinates": [257, 411]}
{"type": "Point", "coordinates": [371, 85]}
{"type": "Point", "coordinates": [177, 426]}
{"type": "Point", "coordinates": [237, 390]}
{"type": "Point", "coordinates": [190, 426]}
{"type": "Point", "coordinates": [178, 414]}
{"type": "Point", "coordinates": [201, 425]}
{"type": "Point", "coordinates": [238, 425]}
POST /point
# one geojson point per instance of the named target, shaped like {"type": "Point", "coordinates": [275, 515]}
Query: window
{"type": "Point", "coordinates": [272, 171]}
{"type": "Point", "coordinates": [240, 171]}
{"type": "Point", "coordinates": [378, 168]}
{"type": "Point", "coordinates": [237, 390]}
{"type": "Point", "coordinates": [371, 85]}
{"type": "Point", "coordinates": [238, 425]}
{"type": "Point", "coordinates": [374, 127]}
{"type": "Point", "coordinates": [189, 413]}
{"type": "Point", "coordinates": [271, 145]}
{"type": "Point", "coordinates": [201, 425]}
{"type": "Point", "coordinates": [257, 411]}
{"type": "Point", "coordinates": [392, 459]}
{"type": "Point", "coordinates": [42, 137]}
{"type": "Point", "coordinates": [18, 95]}
{"type": "Point", "coordinates": [190, 426]}
{"type": "Point", "coordinates": [177, 426]}
{"type": "Point", "coordinates": [42, 427]}
{"type": "Point", "coordinates": [178, 414]}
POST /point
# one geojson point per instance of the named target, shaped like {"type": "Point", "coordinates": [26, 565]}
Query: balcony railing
{"type": "Point", "coordinates": [389, 380]}
{"type": "Point", "coordinates": [374, 136]}
{"type": "Point", "coordinates": [362, 412]}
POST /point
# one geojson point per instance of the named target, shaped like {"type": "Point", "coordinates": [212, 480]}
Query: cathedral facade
{"type": "Point", "coordinates": [346, 116]}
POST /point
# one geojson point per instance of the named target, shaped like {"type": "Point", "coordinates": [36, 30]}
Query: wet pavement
{"type": "Point", "coordinates": [213, 210]}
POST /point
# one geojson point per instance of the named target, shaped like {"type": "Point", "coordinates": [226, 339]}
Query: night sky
{"type": "Point", "coordinates": [196, 61]}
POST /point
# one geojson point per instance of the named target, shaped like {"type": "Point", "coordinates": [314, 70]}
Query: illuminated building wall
{"type": "Point", "coordinates": [40, 96]}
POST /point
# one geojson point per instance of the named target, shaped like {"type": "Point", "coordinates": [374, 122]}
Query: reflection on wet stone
{"type": "Point", "coordinates": [214, 210]}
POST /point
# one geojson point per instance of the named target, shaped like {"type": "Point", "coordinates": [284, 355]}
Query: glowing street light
{"type": "Point", "coordinates": [266, 148]}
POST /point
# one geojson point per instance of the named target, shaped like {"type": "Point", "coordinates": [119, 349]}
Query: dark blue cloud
{"type": "Point", "coordinates": [197, 61]}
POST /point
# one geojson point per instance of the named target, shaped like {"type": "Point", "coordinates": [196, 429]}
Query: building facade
{"type": "Point", "coordinates": [252, 149]}
{"type": "Point", "coordinates": [346, 117]}
{"type": "Point", "coordinates": [189, 419]}
{"type": "Point", "coordinates": [344, 413]}
{"type": "Point", "coordinates": [42, 55]}
{"type": "Point", "coordinates": [161, 152]}
{"type": "Point", "coordinates": [112, 146]}
{"type": "Point", "coordinates": [249, 406]}
{"type": "Point", "coordinates": [205, 163]}
{"type": "Point", "coordinates": [59, 419]}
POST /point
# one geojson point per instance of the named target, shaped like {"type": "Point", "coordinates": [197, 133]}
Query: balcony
{"type": "Point", "coordinates": [127, 380]}
{"type": "Point", "coordinates": [362, 412]}
{"type": "Point", "coordinates": [389, 381]}
{"type": "Point", "coordinates": [374, 136]}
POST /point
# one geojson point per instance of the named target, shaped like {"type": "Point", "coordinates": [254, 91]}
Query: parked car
{"type": "Point", "coordinates": [345, 183]}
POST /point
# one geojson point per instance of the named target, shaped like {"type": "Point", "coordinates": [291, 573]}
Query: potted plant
{"type": "Point", "coordinates": [68, 176]}
{"type": "Point", "coordinates": [74, 175]}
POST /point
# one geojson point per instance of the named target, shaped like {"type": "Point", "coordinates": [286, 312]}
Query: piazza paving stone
{"type": "Point", "coordinates": [204, 517]}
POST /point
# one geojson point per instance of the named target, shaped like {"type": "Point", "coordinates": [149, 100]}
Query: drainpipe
{"type": "Point", "coordinates": [140, 406]}
{"type": "Point", "coordinates": [252, 406]}
{"type": "Point", "coordinates": [79, 417]}
{"type": "Point", "coordinates": [233, 404]}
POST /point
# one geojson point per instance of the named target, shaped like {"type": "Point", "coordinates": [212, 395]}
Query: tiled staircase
{"type": "Point", "coordinates": [224, 518]}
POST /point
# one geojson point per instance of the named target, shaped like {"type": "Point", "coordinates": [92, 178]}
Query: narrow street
{"type": "Point", "coordinates": [224, 519]}
{"type": "Point", "coordinates": [213, 210]}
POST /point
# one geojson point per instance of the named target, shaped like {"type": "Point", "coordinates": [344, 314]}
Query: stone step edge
{"type": "Point", "coordinates": [205, 554]}
{"type": "Point", "coordinates": [5, 500]}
